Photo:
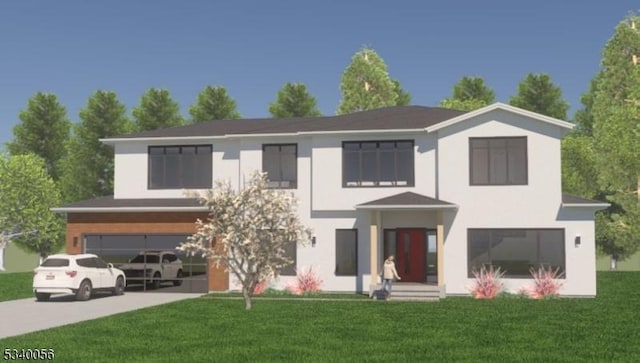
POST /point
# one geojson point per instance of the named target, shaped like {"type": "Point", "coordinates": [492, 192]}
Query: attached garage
{"type": "Point", "coordinates": [119, 230]}
{"type": "Point", "coordinates": [145, 252]}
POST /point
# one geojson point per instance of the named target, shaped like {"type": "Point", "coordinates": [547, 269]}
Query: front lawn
{"type": "Point", "coordinates": [604, 329]}
{"type": "Point", "coordinates": [15, 285]}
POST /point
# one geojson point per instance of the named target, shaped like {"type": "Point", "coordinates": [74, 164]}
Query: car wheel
{"type": "Point", "coordinates": [42, 296]}
{"type": "Point", "coordinates": [119, 288]}
{"type": "Point", "coordinates": [84, 291]}
{"type": "Point", "coordinates": [178, 280]}
{"type": "Point", "coordinates": [155, 284]}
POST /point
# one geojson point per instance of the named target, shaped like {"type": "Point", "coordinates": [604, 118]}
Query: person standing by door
{"type": "Point", "coordinates": [389, 272]}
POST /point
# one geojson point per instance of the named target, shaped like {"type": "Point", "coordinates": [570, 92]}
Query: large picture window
{"type": "Point", "coordinates": [498, 160]}
{"type": "Point", "coordinates": [377, 163]}
{"type": "Point", "coordinates": [346, 252]}
{"type": "Point", "coordinates": [516, 250]}
{"type": "Point", "coordinates": [280, 164]}
{"type": "Point", "coordinates": [176, 167]}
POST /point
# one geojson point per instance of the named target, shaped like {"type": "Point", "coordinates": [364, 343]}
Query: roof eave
{"type": "Point", "coordinates": [596, 206]}
{"type": "Point", "coordinates": [501, 106]}
{"type": "Point", "coordinates": [127, 209]}
{"type": "Point", "coordinates": [407, 206]}
{"type": "Point", "coordinates": [113, 141]}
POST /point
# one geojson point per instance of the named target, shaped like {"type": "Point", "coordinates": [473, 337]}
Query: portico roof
{"type": "Point", "coordinates": [407, 200]}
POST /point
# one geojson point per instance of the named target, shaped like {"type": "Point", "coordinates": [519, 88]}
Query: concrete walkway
{"type": "Point", "coordinates": [28, 315]}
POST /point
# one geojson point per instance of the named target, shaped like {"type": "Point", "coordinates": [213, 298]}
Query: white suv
{"type": "Point", "coordinates": [154, 267]}
{"type": "Point", "coordinates": [76, 274]}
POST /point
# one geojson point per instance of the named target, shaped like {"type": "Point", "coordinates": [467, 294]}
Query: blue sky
{"type": "Point", "coordinates": [73, 48]}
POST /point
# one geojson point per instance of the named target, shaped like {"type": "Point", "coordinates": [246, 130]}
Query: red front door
{"type": "Point", "coordinates": [411, 254]}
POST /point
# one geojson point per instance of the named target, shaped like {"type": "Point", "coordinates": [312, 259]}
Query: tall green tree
{"type": "Point", "coordinates": [43, 130]}
{"type": "Point", "coordinates": [615, 117]}
{"type": "Point", "coordinates": [538, 93]}
{"type": "Point", "coordinates": [468, 94]}
{"type": "Point", "coordinates": [294, 100]}
{"type": "Point", "coordinates": [213, 103]}
{"type": "Point", "coordinates": [88, 168]}
{"type": "Point", "coordinates": [366, 84]}
{"type": "Point", "coordinates": [403, 97]}
{"type": "Point", "coordinates": [27, 192]}
{"type": "Point", "coordinates": [157, 110]}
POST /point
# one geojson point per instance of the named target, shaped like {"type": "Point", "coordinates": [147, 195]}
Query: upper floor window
{"type": "Point", "coordinates": [377, 163]}
{"type": "Point", "coordinates": [498, 161]}
{"type": "Point", "coordinates": [279, 161]}
{"type": "Point", "coordinates": [175, 167]}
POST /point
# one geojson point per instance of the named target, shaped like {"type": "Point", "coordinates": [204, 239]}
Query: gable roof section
{"type": "Point", "coordinates": [406, 200]}
{"type": "Point", "coordinates": [382, 119]}
{"type": "Point", "coordinates": [499, 106]}
{"type": "Point", "coordinates": [569, 200]}
{"type": "Point", "coordinates": [110, 204]}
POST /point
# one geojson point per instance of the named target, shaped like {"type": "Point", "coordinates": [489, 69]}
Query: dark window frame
{"type": "Point", "coordinates": [376, 183]}
{"type": "Point", "coordinates": [295, 167]}
{"type": "Point", "coordinates": [355, 241]}
{"type": "Point", "coordinates": [182, 183]}
{"type": "Point", "coordinates": [291, 270]}
{"type": "Point", "coordinates": [489, 182]}
{"type": "Point", "coordinates": [563, 269]}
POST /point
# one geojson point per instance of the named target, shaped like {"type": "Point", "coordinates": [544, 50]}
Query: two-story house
{"type": "Point", "coordinates": [445, 191]}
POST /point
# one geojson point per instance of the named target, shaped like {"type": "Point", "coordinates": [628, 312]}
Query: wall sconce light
{"type": "Point", "coordinates": [313, 241]}
{"type": "Point", "coordinates": [577, 240]}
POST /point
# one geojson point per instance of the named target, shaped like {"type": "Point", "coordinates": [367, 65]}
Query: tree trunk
{"type": "Point", "coordinates": [247, 298]}
{"type": "Point", "coordinates": [614, 263]}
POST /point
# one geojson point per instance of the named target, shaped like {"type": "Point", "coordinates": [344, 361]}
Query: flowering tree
{"type": "Point", "coordinates": [249, 230]}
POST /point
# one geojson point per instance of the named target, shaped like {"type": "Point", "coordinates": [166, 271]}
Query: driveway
{"type": "Point", "coordinates": [27, 315]}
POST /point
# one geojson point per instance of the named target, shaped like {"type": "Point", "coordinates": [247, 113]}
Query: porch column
{"type": "Point", "coordinates": [440, 248]}
{"type": "Point", "coordinates": [373, 250]}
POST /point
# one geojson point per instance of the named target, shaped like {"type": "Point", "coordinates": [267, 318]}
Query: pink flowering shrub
{"type": "Point", "coordinates": [545, 283]}
{"type": "Point", "coordinates": [306, 282]}
{"type": "Point", "coordinates": [260, 287]}
{"type": "Point", "coordinates": [488, 282]}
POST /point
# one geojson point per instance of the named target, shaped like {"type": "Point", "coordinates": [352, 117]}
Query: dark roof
{"type": "Point", "coordinates": [407, 199]}
{"type": "Point", "coordinates": [110, 202]}
{"type": "Point", "coordinates": [398, 117]}
{"type": "Point", "coordinates": [572, 199]}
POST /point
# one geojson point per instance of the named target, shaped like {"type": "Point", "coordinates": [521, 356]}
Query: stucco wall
{"type": "Point", "coordinates": [535, 205]}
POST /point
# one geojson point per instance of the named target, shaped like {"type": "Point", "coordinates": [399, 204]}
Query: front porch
{"type": "Point", "coordinates": [411, 227]}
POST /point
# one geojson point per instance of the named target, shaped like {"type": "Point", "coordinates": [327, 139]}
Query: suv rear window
{"type": "Point", "coordinates": [55, 262]}
{"type": "Point", "coordinates": [86, 262]}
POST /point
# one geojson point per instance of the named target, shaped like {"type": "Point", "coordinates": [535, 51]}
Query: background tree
{"type": "Point", "coordinates": [213, 103]}
{"type": "Point", "coordinates": [294, 100]}
{"type": "Point", "coordinates": [250, 229]}
{"type": "Point", "coordinates": [611, 114]}
{"type": "Point", "coordinates": [403, 97]}
{"type": "Point", "coordinates": [43, 131]}
{"type": "Point", "coordinates": [88, 167]}
{"type": "Point", "coordinates": [366, 84]}
{"type": "Point", "coordinates": [537, 93]}
{"type": "Point", "coordinates": [157, 110]}
{"type": "Point", "coordinates": [27, 193]}
{"type": "Point", "coordinates": [469, 93]}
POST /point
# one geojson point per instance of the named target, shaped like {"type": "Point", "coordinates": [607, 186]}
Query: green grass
{"type": "Point", "coordinates": [604, 329]}
{"type": "Point", "coordinates": [16, 285]}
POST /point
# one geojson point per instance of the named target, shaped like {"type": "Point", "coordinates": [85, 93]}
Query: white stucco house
{"type": "Point", "coordinates": [445, 191]}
